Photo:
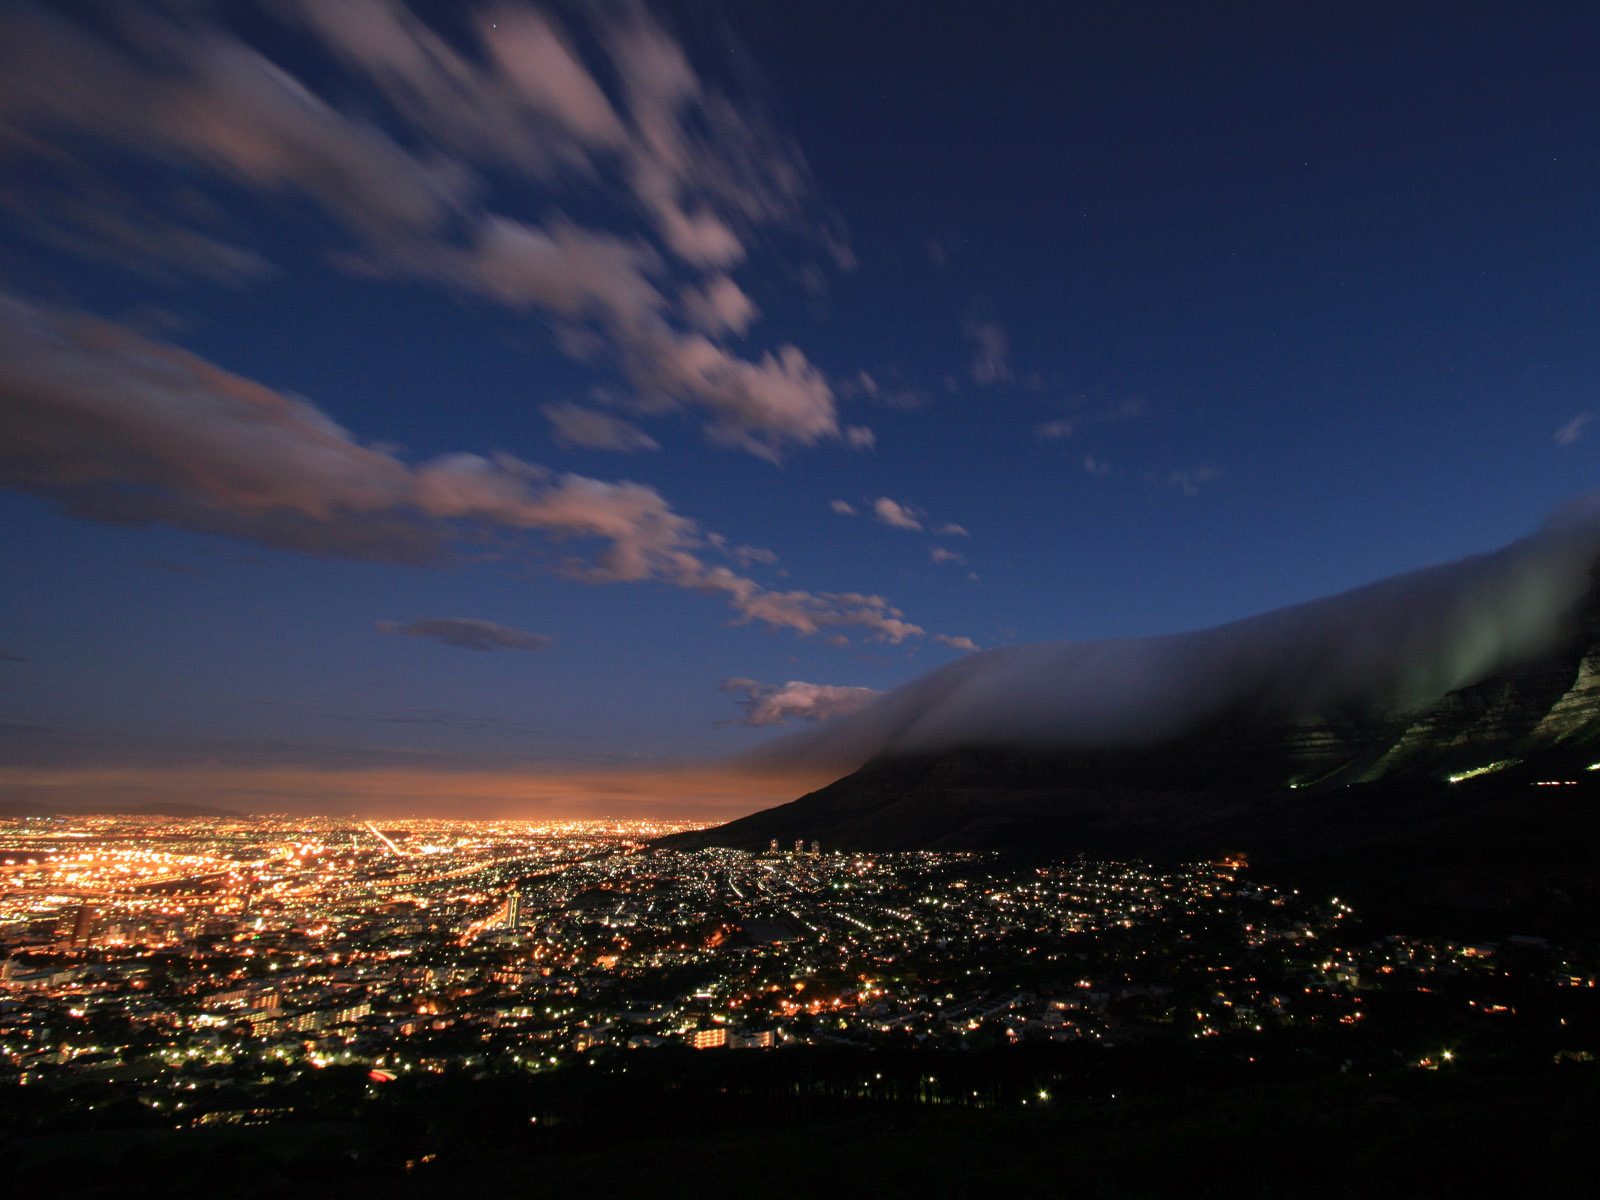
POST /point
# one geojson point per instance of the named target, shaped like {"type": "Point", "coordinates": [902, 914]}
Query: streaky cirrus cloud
{"type": "Point", "coordinates": [778, 704]}
{"type": "Point", "coordinates": [1390, 646]}
{"type": "Point", "coordinates": [1190, 480]}
{"type": "Point", "coordinates": [1569, 433]}
{"type": "Point", "coordinates": [991, 361]}
{"type": "Point", "coordinates": [591, 429]}
{"type": "Point", "coordinates": [407, 172]}
{"type": "Point", "coordinates": [115, 426]}
{"type": "Point", "coordinates": [467, 633]}
{"type": "Point", "coordinates": [1053, 431]}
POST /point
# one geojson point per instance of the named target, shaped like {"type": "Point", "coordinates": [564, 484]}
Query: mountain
{"type": "Point", "coordinates": [29, 808]}
{"type": "Point", "coordinates": [1478, 799]}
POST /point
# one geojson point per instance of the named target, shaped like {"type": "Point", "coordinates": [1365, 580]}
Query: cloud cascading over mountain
{"type": "Point", "coordinates": [1391, 646]}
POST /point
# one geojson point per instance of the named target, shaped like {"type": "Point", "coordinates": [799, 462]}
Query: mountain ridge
{"type": "Point", "coordinates": [1482, 798]}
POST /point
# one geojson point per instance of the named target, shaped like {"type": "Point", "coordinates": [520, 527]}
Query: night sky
{"type": "Point", "coordinates": [490, 407]}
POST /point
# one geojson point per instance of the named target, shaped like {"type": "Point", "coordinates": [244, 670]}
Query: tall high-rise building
{"type": "Point", "coordinates": [513, 910]}
{"type": "Point", "coordinates": [83, 924]}
{"type": "Point", "coordinates": [799, 845]}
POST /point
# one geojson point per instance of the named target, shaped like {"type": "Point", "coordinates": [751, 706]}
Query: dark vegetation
{"type": "Point", "coordinates": [1342, 1113]}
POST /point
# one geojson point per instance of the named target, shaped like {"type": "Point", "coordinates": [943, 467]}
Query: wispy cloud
{"type": "Point", "coordinates": [402, 163]}
{"type": "Point", "coordinates": [467, 634]}
{"type": "Point", "coordinates": [843, 507]}
{"type": "Point", "coordinates": [940, 554]}
{"type": "Point", "coordinates": [117, 427]}
{"type": "Point", "coordinates": [718, 305]}
{"type": "Point", "coordinates": [591, 429]}
{"type": "Point", "coordinates": [1053, 431]}
{"type": "Point", "coordinates": [991, 362]}
{"type": "Point", "coordinates": [1190, 480]}
{"type": "Point", "coordinates": [778, 704]}
{"type": "Point", "coordinates": [1573, 429]}
{"type": "Point", "coordinates": [859, 437]}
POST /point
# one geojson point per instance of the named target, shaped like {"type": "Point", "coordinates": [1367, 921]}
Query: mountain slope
{"type": "Point", "coordinates": [1362, 792]}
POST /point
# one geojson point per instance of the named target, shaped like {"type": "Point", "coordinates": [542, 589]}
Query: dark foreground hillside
{"type": "Point", "coordinates": [1292, 1123]}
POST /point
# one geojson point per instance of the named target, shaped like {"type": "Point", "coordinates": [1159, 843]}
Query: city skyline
{"type": "Point", "coordinates": [500, 408]}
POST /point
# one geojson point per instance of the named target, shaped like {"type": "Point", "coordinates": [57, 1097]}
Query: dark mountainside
{"type": "Point", "coordinates": [1359, 799]}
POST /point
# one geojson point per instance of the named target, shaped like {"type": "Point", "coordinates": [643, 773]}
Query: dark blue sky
{"type": "Point", "coordinates": [806, 345]}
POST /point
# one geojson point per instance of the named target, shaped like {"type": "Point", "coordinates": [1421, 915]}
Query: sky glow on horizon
{"type": "Point", "coordinates": [455, 399]}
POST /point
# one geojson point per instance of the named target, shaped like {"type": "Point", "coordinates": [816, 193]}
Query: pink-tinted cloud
{"type": "Point", "coordinates": [118, 426]}
{"type": "Point", "coordinates": [991, 362]}
{"type": "Point", "coordinates": [406, 182]}
{"type": "Point", "coordinates": [778, 704]}
{"type": "Point", "coordinates": [1053, 431]}
{"type": "Point", "coordinates": [1569, 433]}
{"type": "Point", "coordinates": [1190, 480]}
{"type": "Point", "coordinates": [591, 429]}
{"type": "Point", "coordinates": [467, 634]}
{"type": "Point", "coordinates": [718, 306]}
{"type": "Point", "coordinates": [895, 515]}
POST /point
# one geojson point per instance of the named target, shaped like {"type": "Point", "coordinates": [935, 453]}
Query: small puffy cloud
{"type": "Point", "coordinates": [1053, 431]}
{"type": "Point", "coordinates": [718, 306]}
{"type": "Point", "coordinates": [955, 643]}
{"type": "Point", "coordinates": [859, 437]}
{"type": "Point", "coordinates": [991, 363]}
{"type": "Point", "coordinates": [894, 514]}
{"type": "Point", "coordinates": [757, 406]}
{"type": "Point", "coordinates": [843, 507]}
{"type": "Point", "coordinates": [775, 704]}
{"type": "Point", "coordinates": [1573, 429]}
{"type": "Point", "coordinates": [941, 555]}
{"type": "Point", "coordinates": [1189, 480]}
{"type": "Point", "coordinates": [595, 430]}
{"type": "Point", "coordinates": [1096, 466]}
{"type": "Point", "coordinates": [952, 530]}
{"type": "Point", "coordinates": [468, 634]}
{"type": "Point", "coordinates": [569, 271]}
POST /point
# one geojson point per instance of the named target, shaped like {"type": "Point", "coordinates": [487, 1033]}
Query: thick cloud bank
{"type": "Point", "coordinates": [1396, 644]}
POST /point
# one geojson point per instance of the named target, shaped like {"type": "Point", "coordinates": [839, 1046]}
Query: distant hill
{"type": "Point", "coordinates": [1479, 800]}
{"type": "Point", "coordinates": [29, 808]}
